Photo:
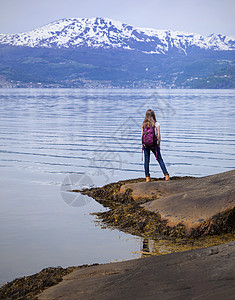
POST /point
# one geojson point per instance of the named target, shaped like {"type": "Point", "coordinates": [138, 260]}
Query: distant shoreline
{"type": "Point", "coordinates": [102, 87]}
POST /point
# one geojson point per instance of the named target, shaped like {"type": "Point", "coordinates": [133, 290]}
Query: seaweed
{"type": "Point", "coordinates": [127, 215]}
{"type": "Point", "coordinates": [28, 287]}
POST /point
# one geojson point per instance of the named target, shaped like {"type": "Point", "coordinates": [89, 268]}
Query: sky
{"type": "Point", "coordinates": [199, 16]}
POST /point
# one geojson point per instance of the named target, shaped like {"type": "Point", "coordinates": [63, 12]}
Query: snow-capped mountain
{"type": "Point", "coordinates": [108, 34]}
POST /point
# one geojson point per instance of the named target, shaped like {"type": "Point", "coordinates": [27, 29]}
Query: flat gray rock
{"type": "Point", "coordinates": [190, 201]}
{"type": "Point", "coordinates": [200, 274]}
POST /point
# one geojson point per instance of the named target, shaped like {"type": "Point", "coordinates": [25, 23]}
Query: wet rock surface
{"type": "Point", "coordinates": [196, 274]}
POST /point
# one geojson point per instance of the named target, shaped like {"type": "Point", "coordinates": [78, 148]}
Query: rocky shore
{"type": "Point", "coordinates": [28, 287]}
{"type": "Point", "coordinates": [206, 273]}
{"type": "Point", "coordinates": [182, 207]}
{"type": "Point", "coordinates": [188, 212]}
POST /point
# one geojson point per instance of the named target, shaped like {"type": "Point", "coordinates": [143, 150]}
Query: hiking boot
{"type": "Point", "coordinates": [167, 177]}
{"type": "Point", "coordinates": [147, 178]}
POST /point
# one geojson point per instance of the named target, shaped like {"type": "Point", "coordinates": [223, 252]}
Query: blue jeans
{"type": "Point", "coordinates": [159, 159]}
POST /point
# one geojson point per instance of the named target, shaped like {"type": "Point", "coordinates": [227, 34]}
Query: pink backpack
{"type": "Point", "coordinates": [149, 137]}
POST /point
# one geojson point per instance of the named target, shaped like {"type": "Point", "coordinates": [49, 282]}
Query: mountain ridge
{"type": "Point", "coordinates": [100, 52]}
{"type": "Point", "coordinates": [109, 34]}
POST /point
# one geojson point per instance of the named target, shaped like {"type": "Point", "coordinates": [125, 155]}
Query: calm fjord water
{"type": "Point", "coordinates": [49, 134]}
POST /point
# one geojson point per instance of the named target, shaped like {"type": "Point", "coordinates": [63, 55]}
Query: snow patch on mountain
{"type": "Point", "coordinates": [106, 33]}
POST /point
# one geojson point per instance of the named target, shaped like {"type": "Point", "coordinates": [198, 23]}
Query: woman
{"type": "Point", "coordinates": [151, 139]}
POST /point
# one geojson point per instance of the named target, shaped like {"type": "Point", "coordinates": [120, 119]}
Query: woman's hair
{"type": "Point", "coordinates": [150, 119]}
